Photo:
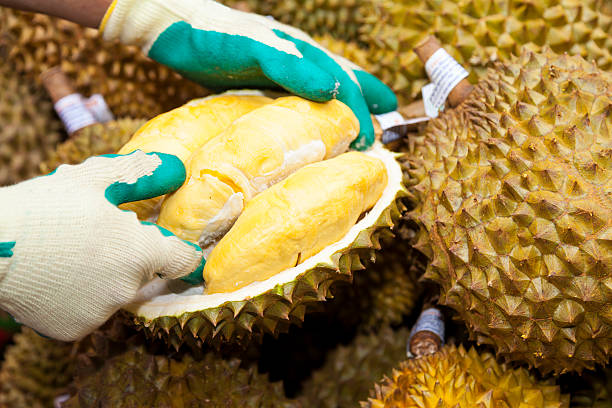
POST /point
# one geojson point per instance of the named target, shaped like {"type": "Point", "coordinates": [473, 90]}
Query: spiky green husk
{"type": "Point", "coordinates": [351, 371]}
{"type": "Point", "coordinates": [273, 311]}
{"type": "Point", "coordinates": [35, 370]}
{"type": "Point", "coordinates": [456, 378]}
{"type": "Point", "coordinates": [139, 378]}
{"type": "Point", "coordinates": [513, 195]}
{"type": "Point", "coordinates": [91, 141]}
{"type": "Point", "coordinates": [477, 33]}
{"type": "Point", "coordinates": [29, 128]}
{"type": "Point", "coordinates": [383, 293]}
{"type": "Point", "coordinates": [131, 84]}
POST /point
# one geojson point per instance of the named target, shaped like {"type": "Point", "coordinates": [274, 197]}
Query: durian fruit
{"type": "Point", "coordinates": [138, 378]}
{"type": "Point", "coordinates": [385, 292]}
{"type": "Point", "coordinates": [29, 128]}
{"type": "Point", "coordinates": [454, 377]}
{"type": "Point", "coordinates": [513, 193]}
{"type": "Point", "coordinates": [340, 18]}
{"type": "Point", "coordinates": [225, 173]}
{"type": "Point", "coordinates": [35, 370]}
{"type": "Point", "coordinates": [477, 32]}
{"type": "Point", "coordinates": [183, 130]}
{"type": "Point", "coordinates": [178, 312]}
{"type": "Point", "coordinates": [101, 138]}
{"type": "Point", "coordinates": [351, 371]}
{"type": "Point", "coordinates": [131, 84]}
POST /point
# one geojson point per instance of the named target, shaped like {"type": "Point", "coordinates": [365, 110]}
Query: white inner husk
{"type": "Point", "coordinates": [173, 298]}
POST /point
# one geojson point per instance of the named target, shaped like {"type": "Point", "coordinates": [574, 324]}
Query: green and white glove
{"type": "Point", "coordinates": [223, 48]}
{"type": "Point", "coordinates": [69, 258]}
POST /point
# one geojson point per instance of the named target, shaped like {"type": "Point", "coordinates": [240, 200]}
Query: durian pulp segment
{"type": "Point", "coordinates": [258, 150]}
{"type": "Point", "coordinates": [295, 219]}
{"type": "Point", "coordinates": [184, 129]}
{"type": "Point", "coordinates": [174, 298]}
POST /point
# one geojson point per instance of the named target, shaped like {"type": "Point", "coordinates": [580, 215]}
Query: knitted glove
{"type": "Point", "coordinates": [69, 258]}
{"type": "Point", "coordinates": [222, 48]}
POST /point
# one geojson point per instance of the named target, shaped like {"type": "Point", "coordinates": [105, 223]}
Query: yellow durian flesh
{"type": "Point", "coordinates": [183, 130]}
{"type": "Point", "coordinates": [258, 150]}
{"type": "Point", "coordinates": [295, 219]}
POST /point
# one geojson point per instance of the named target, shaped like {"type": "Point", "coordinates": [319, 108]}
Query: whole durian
{"type": "Point", "coordinates": [131, 84]}
{"type": "Point", "coordinates": [139, 378]}
{"type": "Point", "coordinates": [351, 370]}
{"type": "Point", "coordinates": [454, 377]}
{"type": "Point", "coordinates": [478, 32]}
{"type": "Point", "coordinates": [101, 138]}
{"type": "Point", "coordinates": [29, 128]}
{"type": "Point", "coordinates": [514, 197]}
{"type": "Point", "coordinates": [35, 370]}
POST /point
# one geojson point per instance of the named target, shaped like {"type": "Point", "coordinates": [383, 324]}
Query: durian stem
{"type": "Point", "coordinates": [424, 50]}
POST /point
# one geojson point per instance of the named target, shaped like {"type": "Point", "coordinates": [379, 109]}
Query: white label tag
{"type": "Point", "coordinates": [390, 119]}
{"type": "Point", "coordinates": [445, 73]}
{"type": "Point", "coordinates": [73, 112]}
{"type": "Point", "coordinates": [430, 109]}
{"type": "Point", "coordinates": [99, 109]}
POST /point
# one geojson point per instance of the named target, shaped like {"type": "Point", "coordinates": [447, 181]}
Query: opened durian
{"type": "Point", "coordinates": [513, 193]}
{"type": "Point", "coordinates": [35, 370]}
{"type": "Point", "coordinates": [456, 378]}
{"type": "Point", "coordinates": [139, 378]}
{"type": "Point", "coordinates": [291, 241]}
{"type": "Point", "coordinates": [131, 84]}
{"type": "Point", "coordinates": [101, 138]}
{"type": "Point", "coordinates": [351, 371]}
{"type": "Point", "coordinates": [29, 128]}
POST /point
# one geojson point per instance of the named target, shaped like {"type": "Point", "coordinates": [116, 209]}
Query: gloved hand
{"type": "Point", "coordinates": [222, 48]}
{"type": "Point", "coordinates": [69, 258]}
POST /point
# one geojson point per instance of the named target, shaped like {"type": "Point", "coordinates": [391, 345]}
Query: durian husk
{"type": "Point", "coordinates": [101, 138]}
{"type": "Point", "coordinates": [35, 370]}
{"type": "Point", "coordinates": [454, 377]}
{"type": "Point", "coordinates": [477, 33]}
{"type": "Point", "coordinates": [131, 84]}
{"type": "Point", "coordinates": [351, 371]}
{"type": "Point", "coordinates": [512, 190]}
{"type": "Point", "coordinates": [268, 306]}
{"type": "Point", "coordinates": [29, 128]}
{"type": "Point", "coordinates": [138, 377]}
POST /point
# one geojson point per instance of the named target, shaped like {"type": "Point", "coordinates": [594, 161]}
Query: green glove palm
{"type": "Point", "coordinates": [222, 48]}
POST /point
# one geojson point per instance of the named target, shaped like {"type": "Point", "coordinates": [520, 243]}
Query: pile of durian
{"type": "Point", "coordinates": [320, 259]}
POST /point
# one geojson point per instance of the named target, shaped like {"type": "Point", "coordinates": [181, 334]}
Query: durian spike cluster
{"type": "Point", "coordinates": [29, 128]}
{"type": "Point", "coordinates": [101, 138]}
{"type": "Point", "coordinates": [478, 32]}
{"type": "Point", "coordinates": [513, 193]}
{"type": "Point", "coordinates": [131, 84]}
{"type": "Point", "coordinates": [454, 377]}
{"type": "Point", "coordinates": [35, 370]}
{"type": "Point", "coordinates": [139, 378]}
{"type": "Point", "coordinates": [351, 371]}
